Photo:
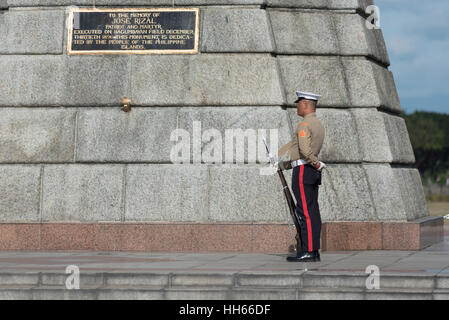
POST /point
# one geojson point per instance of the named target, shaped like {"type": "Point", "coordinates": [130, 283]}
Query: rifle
{"type": "Point", "coordinates": [288, 196]}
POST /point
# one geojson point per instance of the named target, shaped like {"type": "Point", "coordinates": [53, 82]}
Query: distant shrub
{"type": "Point", "coordinates": [437, 197]}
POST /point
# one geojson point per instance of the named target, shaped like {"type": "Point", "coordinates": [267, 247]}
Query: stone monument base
{"type": "Point", "coordinates": [386, 235]}
{"type": "Point", "coordinates": [216, 237]}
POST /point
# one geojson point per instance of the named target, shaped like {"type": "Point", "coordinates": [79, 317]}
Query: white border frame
{"type": "Point", "coordinates": [92, 52]}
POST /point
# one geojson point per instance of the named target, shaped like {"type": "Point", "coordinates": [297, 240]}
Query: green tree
{"type": "Point", "coordinates": [429, 135]}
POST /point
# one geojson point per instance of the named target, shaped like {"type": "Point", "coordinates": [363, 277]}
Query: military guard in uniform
{"type": "Point", "coordinates": [303, 151]}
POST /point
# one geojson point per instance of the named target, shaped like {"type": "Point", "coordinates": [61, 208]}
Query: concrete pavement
{"type": "Point", "coordinates": [158, 275]}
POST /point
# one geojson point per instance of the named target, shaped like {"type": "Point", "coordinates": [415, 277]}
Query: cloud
{"type": "Point", "coordinates": [400, 45]}
{"type": "Point", "coordinates": [417, 37]}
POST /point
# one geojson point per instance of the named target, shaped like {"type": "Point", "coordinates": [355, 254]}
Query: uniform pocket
{"type": "Point", "coordinates": [311, 175]}
{"type": "Point", "coordinates": [319, 177]}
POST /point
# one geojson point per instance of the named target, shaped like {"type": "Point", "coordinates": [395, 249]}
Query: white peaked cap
{"type": "Point", "coordinates": [307, 95]}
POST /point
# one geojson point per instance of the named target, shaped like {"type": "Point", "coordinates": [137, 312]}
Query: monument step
{"type": "Point", "coordinates": [51, 293]}
{"type": "Point", "coordinates": [246, 285]}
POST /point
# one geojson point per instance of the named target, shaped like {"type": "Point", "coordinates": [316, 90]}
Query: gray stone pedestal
{"type": "Point", "coordinates": [76, 172]}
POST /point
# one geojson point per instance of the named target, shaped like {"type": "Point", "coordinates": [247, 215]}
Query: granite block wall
{"type": "Point", "coordinates": [69, 154]}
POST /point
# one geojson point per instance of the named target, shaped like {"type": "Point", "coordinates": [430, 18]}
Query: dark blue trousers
{"type": "Point", "coordinates": [305, 184]}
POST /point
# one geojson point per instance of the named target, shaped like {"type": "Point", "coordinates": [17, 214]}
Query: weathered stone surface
{"type": "Point", "coordinates": [200, 192]}
{"type": "Point", "coordinates": [316, 36]}
{"type": "Point", "coordinates": [372, 135]}
{"type": "Point", "coordinates": [326, 34]}
{"type": "Point", "coordinates": [166, 192]}
{"type": "Point", "coordinates": [335, 294]}
{"type": "Point", "coordinates": [14, 294]}
{"type": "Point", "coordinates": [298, 3]}
{"type": "Point", "coordinates": [412, 192]}
{"type": "Point", "coordinates": [129, 294]}
{"type": "Point", "coordinates": [128, 279]}
{"type": "Point", "coordinates": [234, 83]}
{"type": "Point", "coordinates": [345, 194]}
{"type": "Point", "coordinates": [348, 193]}
{"type": "Point", "coordinates": [31, 80]}
{"type": "Point", "coordinates": [37, 31]}
{"type": "Point", "coordinates": [361, 83]}
{"type": "Point", "coordinates": [336, 4]}
{"type": "Point", "coordinates": [61, 80]}
{"type": "Point", "coordinates": [37, 135]}
{"type": "Point", "coordinates": [320, 4]}
{"type": "Point", "coordinates": [322, 75]}
{"type": "Point", "coordinates": [370, 85]}
{"type": "Point", "coordinates": [58, 279]}
{"type": "Point", "coordinates": [400, 145]}
{"type": "Point", "coordinates": [206, 79]}
{"type": "Point", "coordinates": [385, 192]}
{"type": "Point", "coordinates": [356, 39]}
{"type": "Point", "coordinates": [218, 126]}
{"type": "Point", "coordinates": [343, 82]}
{"type": "Point", "coordinates": [19, 3]}
{"type": "Point", "coordinates": [195, 279]}
{"type": "Point", "coordinates": [242, 294]}
{"type": "Point", "coordinates": [380, 49]}
{"type": "Point", "coordinates": [215, 2]}
{"type": "Point", "coordinates": [3, 4]}
{"type": "Point", "coordinates": [241, 193]}
{"type": "Point", "coordinates": [340, 141]}
{"type": "Point", "coordinates": [95, 80]}
{"type": "Point", "coordinates": [11, 279]}
{"type": "Point", "coordinates": [383, 137]}
{"type": "Point", "coordinates": [350, 4]}
{"type": "Point", "coordinates": [20, 190]}
{"type": "Point", "coordinates": [148, 134]}
{"type": "Point", "coordinates": [339, 280]}
{"type": "Point", "coordinates": [82, 193]}
{"type": "Point", "coordinates": [111, 135]}
{"type": "Point", "coordinates": [396, 296]}
{"type": "Point", "coordinates": [180, 293]}
{"type": "Point", "coordinates": [269, 279]}
{"type": "Point", "coordinates": [155, 80]}
{"type": "Point", "coordinates": [370, 193]}
{"type": "Point", "coordinates": [386, 88]}
{"type": "Point", "coordinates": [235, 30]}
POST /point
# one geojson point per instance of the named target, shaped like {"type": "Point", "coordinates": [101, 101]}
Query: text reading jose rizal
{"type": "Point", "coordinates": [134, 31]}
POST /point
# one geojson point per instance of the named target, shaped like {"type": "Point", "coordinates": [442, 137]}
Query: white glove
{"type": "Point", "coordinates": [283, 165]}
{"type": "Point", "coordinates": [321, 166]}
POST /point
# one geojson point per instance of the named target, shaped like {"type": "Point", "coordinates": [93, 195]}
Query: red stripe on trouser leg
{"type": "Point", "coordinates": [304, 205]}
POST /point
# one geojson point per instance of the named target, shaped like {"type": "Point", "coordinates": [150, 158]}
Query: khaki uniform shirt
{"type": "Point", "coordinates": [307, 141]}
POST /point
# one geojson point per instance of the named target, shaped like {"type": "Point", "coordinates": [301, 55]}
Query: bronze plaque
{"type": "Point", "coordinates": [137, 31]}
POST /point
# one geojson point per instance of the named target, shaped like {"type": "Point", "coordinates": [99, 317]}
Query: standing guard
{"type": "Point", "coordinates": [303, 151]}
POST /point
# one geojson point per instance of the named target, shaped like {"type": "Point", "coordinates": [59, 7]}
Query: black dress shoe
{"type": "Point", "coordinates": [293, 258]}
{"type": "Point", "coordinates": [317, 253]}
{"type": "Point", "coordinates": [313, 256]}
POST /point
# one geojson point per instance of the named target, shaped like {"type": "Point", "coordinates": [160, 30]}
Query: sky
{"type": "Point", "coordinates": [416, 33]}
